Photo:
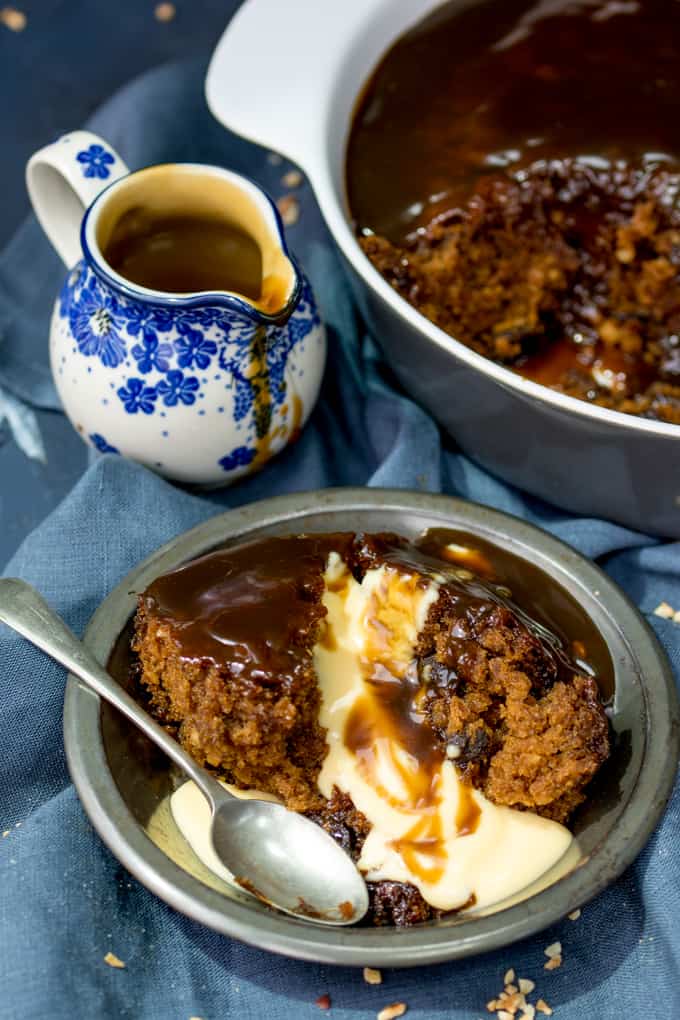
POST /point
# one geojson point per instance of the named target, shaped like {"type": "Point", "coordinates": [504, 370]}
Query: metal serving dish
{"type": "Point", "coordinates": [124, 782]}
{"type": "Point", "coordinates": [287, 75]}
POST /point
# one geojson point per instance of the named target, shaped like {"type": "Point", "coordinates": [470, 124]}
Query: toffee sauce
{"type": "Point", "coordinates": [248, 607]}
{"type": "Point", "coordinates": [502, 85]}
{"type": "Point", "coordinates": [182, 254]}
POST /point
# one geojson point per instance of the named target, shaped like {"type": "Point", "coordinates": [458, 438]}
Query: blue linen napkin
{"type": "Point", "coordinates": [64, 899]}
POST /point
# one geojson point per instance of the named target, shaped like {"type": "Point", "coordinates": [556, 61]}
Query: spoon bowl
{"type": "Point", "coordinates": [281, 857]}
{"type": "Point", "coordinates": [266, 844]}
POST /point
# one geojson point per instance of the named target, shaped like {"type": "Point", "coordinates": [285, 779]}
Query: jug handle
{"type": "Point", "coordinates": [63, 179]}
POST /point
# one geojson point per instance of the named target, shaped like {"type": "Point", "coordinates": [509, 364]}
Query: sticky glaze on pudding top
{"type": "Point", "coordinates": [512, 170]}
{"type": "Point", "coordinates": [395, 692]}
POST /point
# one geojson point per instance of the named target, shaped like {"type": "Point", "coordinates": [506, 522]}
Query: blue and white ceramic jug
{"type": "Point", "coordinates": [203, 387]}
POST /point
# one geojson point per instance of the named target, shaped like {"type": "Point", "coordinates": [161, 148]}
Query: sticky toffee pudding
{"type": "Point", "coordinates": [430, 713]}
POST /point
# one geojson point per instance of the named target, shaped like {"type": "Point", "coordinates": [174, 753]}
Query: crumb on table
{"type": "Point", "coordinates": [164, 12]}
{"type": "Point", "coordinates": [113, 961]}
{"type": "Point", "coordinates": [392, 1011]}
{"type": "Point", "coordinates": [13, 19]}
{"type": "Point", "coordinates": [512, 1003]}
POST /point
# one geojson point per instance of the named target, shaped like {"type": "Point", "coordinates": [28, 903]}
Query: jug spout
{"type": "Point", "coordinates": [63, 179]}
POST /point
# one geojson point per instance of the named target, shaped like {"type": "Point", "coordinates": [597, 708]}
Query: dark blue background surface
{"type": "Point", "coordinates": [64, 899]}
{"type": "Point", "coordinates": [71, 56]}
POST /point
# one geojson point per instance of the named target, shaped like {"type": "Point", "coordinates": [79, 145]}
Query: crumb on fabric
{"type": "Point", "coordinates": [665, 611]}
{"type": "Point", "coordinates": [512, 1003]}
{"type": "Point", "coordinates": [392, 1011]}
{"type": "Point", "coordinates": [113, 960]}
{"type": "Point", "coordinates": [164, 12]}
{"type": "Point", "coordinates": [13, 19]}
{"type": "Point", "coordinates": [575, 914]}
{"type": "Point", "coordinates": [323, 1002]}
{"type": "Point", "coordinates": [372, 976]}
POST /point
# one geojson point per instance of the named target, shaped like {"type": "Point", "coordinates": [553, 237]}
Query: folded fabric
{"type": "Point", "coordinates": [65, 902]}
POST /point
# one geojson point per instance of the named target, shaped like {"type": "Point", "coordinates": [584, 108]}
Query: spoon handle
{"type": "Point", "coordinates": [23, 609]}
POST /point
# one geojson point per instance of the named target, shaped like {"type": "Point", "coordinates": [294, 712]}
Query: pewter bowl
{"type": "Point", "coordinates": [124, 782]}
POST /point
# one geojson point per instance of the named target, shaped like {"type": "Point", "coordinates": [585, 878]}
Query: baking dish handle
{"type": "Point", "coordinates": [271, 77]}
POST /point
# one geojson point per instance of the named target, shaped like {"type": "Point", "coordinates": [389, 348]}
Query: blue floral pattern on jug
{"type": "Point", "coordinates": [96, 161]}
{"type": "Point", "coordinates": [151, 354]}
{"type": "Point", "coordinates": [242, 456]}
{"type": "Point", "coordinates": [137, 397]}
{"type": "Point", "coordinates": [170, 357]}
{"type": "Point", "coordinates": [101, 444]}
{"type": "Point", "coordinates": [94, 327]}
{"type": "Point", "coordinates": [194, 350]}
{"type": "Point", "coordinates": [175, 387]}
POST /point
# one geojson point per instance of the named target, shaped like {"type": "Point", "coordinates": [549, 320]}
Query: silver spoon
{"type": "Point", "coordinates": [281, 857]}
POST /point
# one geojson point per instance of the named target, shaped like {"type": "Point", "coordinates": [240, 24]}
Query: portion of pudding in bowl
{"type": "Point", "coordinates": [394, 692]}
{"type": "Point", "coordinates": [513, 171]}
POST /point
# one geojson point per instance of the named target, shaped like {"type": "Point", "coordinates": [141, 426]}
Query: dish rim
{"type": "Point", "coordinates": [127, 840]}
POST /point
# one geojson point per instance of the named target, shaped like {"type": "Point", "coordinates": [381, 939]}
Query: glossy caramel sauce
{"type": "Point", "coordinates": [263, 403]}
{"type": "Point", "coordinates": [389, 717]}
{"type": "Point", "coordinates": [467, 816]}
{"type": "Point", "coordinates": [617, 372]}
{"type": "Point", "coordinates": [389, 721]}
{"type": "Point", "coordinates": [248, 605]}
{"type": "Point", "coordinates": [262, 395]}
{"type": "Point", "coordinates": [544, 606]}
{"type": "Point", "coordinates": [175, 229]}
{"type": "Point", "coordinates": [503, 84]}
{"type": "Point", "coordinates": [507, 85]}
{"type": "Point", "coordinates": [423, 848]}
{"type": "Point", "coordinates": [182, 254]}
